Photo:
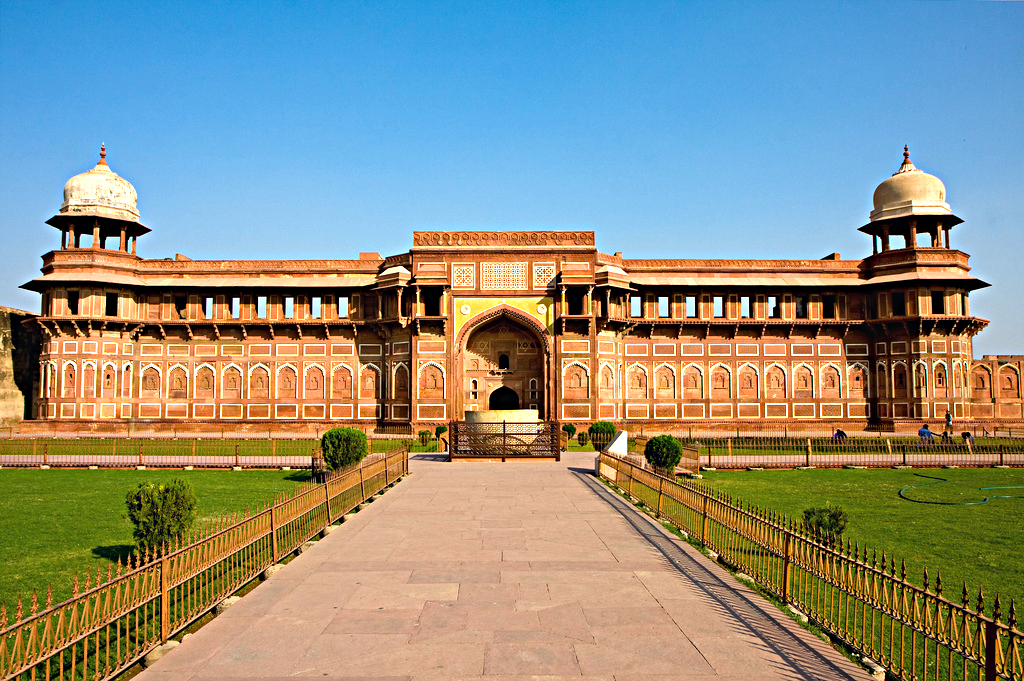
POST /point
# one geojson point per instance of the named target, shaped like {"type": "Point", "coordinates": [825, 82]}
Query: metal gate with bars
{"type": "Point", "coordinates": [505, 440]}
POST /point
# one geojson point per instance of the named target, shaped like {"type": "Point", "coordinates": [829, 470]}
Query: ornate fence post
{"type": "Point", "coordinates": [362, 488]}
{"type": "Point", "coordinates": [809, 452]}
{"type": "Point", "coordinates": [140, 453]}
{"type": "Point", "coordinates": [327, 501]}
{"type": "Point", "coordinates": [704, 523]}
{"type": "Point", "coordinates": [273, 533]}
{"type": "Point", "coordinates": [787, 565]}
{"type": "Point", "coordinates": [165, 598]}
{"type": "Point", "coordinates": [661, 493]}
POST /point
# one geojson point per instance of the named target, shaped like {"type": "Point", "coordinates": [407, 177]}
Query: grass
{"type": "Point", "coordinates": [979, 544]}
{"type": "Point", "coordinates": [59, 522]}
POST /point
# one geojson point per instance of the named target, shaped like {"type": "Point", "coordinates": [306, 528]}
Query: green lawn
{"type": "Point", "coordinates": [57, 522]}
{"type": "Point", "coordinates": [979, 544]}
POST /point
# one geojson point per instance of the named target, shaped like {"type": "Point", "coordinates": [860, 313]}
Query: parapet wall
{"type": "Point", "coordinates": [19, 365]}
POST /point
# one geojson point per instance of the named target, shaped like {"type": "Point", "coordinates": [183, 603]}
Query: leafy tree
{"type": "Point", "coordinates": [439, 431]}
{"type": "Point", "coordinates": [569, 429]}
{"type": "Point", "coordinates": [663, 452]}
{"type": "Point", "coordinates": [160, 512]}
{"type": "Point", "coordinates": [424, 436]}
{"type": "Point", "coordinates": [343, 447]}
{"type": "Point", "coordinates": [582, 438]}
{"type": "Point", "coordinates": [828, 522]}
{"type": "Point", "coordinates": [601, 433]}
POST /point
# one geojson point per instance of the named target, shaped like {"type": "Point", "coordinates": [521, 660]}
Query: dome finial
{"type": "Point", "coordinates": [907, 164]}
{"type": "Point", "coordinates": [103, 154]}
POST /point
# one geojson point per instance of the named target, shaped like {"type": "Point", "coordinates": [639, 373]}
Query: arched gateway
{"type": "Point", "coordinates": [504, 362]}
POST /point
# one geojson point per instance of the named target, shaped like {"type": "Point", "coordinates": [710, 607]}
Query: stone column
{"type": "Point", "coordinates": [913, 235]}
{"type": "Point", "coordinates": [96, 235]}
{"type": "Point", "coordinates": [885, 238]}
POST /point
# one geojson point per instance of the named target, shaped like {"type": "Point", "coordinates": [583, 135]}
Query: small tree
{"type": "Point", "coordinates": [569, 429]}
{"type": "Point", "coordinates": [601, 433]}
{"type": "Point", "coordinates": [160, 512]}
{"type": "Point", "coordinates": [343, 447]}
{"type": "Point", "coordinates": [582, 438]}
{"type": "Point", "coordinates": [424, 437]}
{"type": "Point", "coordinates": [663, 452]}
{"type": "Point", "coordinates": [828, 522]}
{"type": "Point", "coordinates": [439, 431]}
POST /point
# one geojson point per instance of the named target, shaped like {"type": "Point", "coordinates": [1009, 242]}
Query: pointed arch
{"type": "Point", "coordinates": [89, 378]}
{"type": "Point", "coordinates": [693, 381]}
{"type": "Point", "coordinates": [776, 379]}
{"type": "Point", "coordinates": [606, 381]}
{"type": "Point", "coordinates": [636, 381]}
{"type": "Point", "coordinates": [1009, 382]}
{"type": "Point", "coordinates": [231, 382]}
{"type": "Point", "coordinates": [177, 381]}
{"type": "Point", "coordinates": [430, 381]}
{"type": "Point", "coordinates": [204, 382]}
{"type": "Point", "coordinates": [258, 381]}
{"type": "Point", "coordinates": [857, 383]}
{"type": "Point", "coordinates": [748, 381]}
{"type": "Point", "coordinates": [286, 381]}
{"type": "Point", "coordinates": [400, 381]}
{"type": "Point", "coordinates": [665, 381]}
{"type": "Point", "coordinates": [720, 381]}
{"type": "Point", "coordinates": [504, 310]}
{"type": "Point", "coordinates": [341, 381]}
{"type": "Point", "coordinates": [575, 380]}
{"type": "Point", "coordinates": [108, 380]}
{"type": "Point", "coordinates": [150, 380]}
{"type": "Point", "coordinates": [830, 381]}
{"type": "Point", "coordinates": [69, 378]}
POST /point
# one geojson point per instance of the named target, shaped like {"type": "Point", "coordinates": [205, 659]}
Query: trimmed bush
{"type": "Point", "coordinates": [569, 429]}
{"type": "Point", "coordinates": [439, 431]}
{"type": "Point", "coordinates": [601, 433]}
{"type": "Point", "coordinates": [160, 512]}
{"type": "Point", "coordinates": [663, 452]}
{"type": "Point", "coordinates": [424, 437]}
{"type": "Point", "coordinates": [582, 438]}
{"type": "Point", "coordinates": [828, 523]}
{"type": "Point", "coordinates": [343, 447]}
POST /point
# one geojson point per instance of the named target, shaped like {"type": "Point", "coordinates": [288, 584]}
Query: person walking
{"type": "Point", "coordinates": [949, 422]}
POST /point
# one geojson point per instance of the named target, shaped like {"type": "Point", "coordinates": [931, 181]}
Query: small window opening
{"type": "Point", "coordinates": [73, 302]}
{"type": "Point", "coordinates": [774, 308]}
{"type": "Point", "coordinates": [801, 307]}
{"type": "Point", "coordinates": [431, 302]}
{"type": "Point", "coordinates": [473, 390]}
{"type": "Point", "coordinates": [503, 361]}
{"type": "Point", "coordinates": [691, 307]}
{"type": "Point", "coordinates": [745, 307]}
{"type": "Point", "coordinates": [111, 308]}
{"type": "Point", "coordinates": [828, 307]}
{"type": "Point", "coordinates": [963, 304]}
{"type": "Point", "coordinates": [533, 389]}
{"type": "Point", "coordinates": [576, 302]}
{"type": "Point", "coordinates": [181, 306]}
{"type": "Point", "coordinates": [208, 307]}
{"type": "Point", "coordinates": [636, 307]}
{"type": "Point", "coordinates": [261, 307]}
{"type": "Point", "coordinates": [938, 302]}
{"type": "Point", "coordinates": [899, 304]}
{"type": "Point", "coordinates": [719, 305]}
{"type": "Point", "coordinates": [314, 307]}
{"type": "Point", "coordinates": [289, 307]}
{"type": "Point", "coordinates": [342, 306]}
{"type": "Point", "coordinates": [236, 307]}
{"type": "Point", "coordinates": [663, 310]}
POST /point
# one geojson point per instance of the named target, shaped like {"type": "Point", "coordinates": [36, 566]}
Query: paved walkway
{"type": "Point", "coordinates": [505, 571]}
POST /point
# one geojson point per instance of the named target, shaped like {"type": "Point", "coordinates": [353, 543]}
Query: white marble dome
{"type": "Point", "coordinates": [100, 192]}
{"type": "Point", "coordinates": [909, 192]}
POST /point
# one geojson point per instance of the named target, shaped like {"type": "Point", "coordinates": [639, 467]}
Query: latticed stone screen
{"type": "Point", "coordinates": [462, 276]}
{"type": "Point", "coordinates": [503, 276]}
{"type": "Point", "coordinates": [543, 273]}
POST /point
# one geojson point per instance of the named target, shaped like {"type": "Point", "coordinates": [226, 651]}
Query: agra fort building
{"type": "Point", "coordinates": [532, 319]}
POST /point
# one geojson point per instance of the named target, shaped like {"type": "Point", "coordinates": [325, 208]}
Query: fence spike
{"type": "Point", "coordinates": [981, 601]}
{"type": "Point", "coordinates": [17, 611]}
{"type": "Point", "coordinates": [903, 570]}
{"type": "Point", "coordinates": [99, 574]}
{"type": "Point", "coordinates": [925, 577]}
{"type": "Point", "coordinates": [997, 610]}
{"type": "Point", "coordinates": [892, 565]}
{"type": "Point", "coordinates": [110, 571]}
{"type": "Point", "coordinates": [34, 608]}
{"type": "Point", "coordinates": [3, 615]}
{"type": "Point", "coordinates": [88, 575]}
{"type": "Point", "coordinates": [1011, 619]}
{"type": "Point", "coordinates": [938, 582]}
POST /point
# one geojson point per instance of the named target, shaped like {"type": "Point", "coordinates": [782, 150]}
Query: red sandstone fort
{"type": "Point", "coordinates": [479, 320]}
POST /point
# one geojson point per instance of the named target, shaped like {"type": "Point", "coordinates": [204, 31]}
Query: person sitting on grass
{"type": "Point", "coordinates": [927, 437]}
{"type": "Point", "coordinates": [968, 438]}
{"type": "Point", "coordinates": [946, 438]}
{"type": "Point", "coordinates": [839, 437]}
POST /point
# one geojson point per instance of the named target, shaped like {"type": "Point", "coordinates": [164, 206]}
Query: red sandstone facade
{"type": "Point", "coordinates": [477, 320]}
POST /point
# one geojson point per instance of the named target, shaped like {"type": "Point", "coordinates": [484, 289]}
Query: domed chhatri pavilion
{"type": "Point", "coordinates": [468, 321]}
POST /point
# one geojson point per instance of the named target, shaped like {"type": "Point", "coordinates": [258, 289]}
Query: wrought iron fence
{"type": "Point", "coordinates": [915, 632]}
{"type": "Point", "coordinates": [505, 440]}
{"type": "Point", "coordinates": [114, 620]}
{"type": "Point", "coordinates": [750, 452]}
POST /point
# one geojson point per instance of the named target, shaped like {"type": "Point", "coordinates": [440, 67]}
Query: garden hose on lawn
{"type": "Point", "coordinates": [940, 481]}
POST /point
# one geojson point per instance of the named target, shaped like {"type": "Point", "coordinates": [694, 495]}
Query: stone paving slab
{"type": "Point", "coordinates": [502, 572]}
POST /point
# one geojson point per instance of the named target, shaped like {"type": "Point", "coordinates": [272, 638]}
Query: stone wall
{"type": "Point", "coordinates": [19, 365]}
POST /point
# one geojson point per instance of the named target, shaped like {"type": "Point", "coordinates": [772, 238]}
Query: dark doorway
{"type": "Point", "coordinates": [503, 362]}
{"type": "Point", "coordinates": [503, 398]}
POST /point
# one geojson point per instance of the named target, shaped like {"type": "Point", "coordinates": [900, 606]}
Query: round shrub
{"type": "Point", "coordinates": [828, 522]}
{"type": "Point", "coordinates": [601, 433]}
{"type": "Point", "coordinates": [424, 437]}
{"type": "Point", "coordinates": [343, 447]}
{"type": "Point", "coordinates": [160, 512]}
{"type": "Point", "coordinates": [569, 429]}
{"type": "Point", "coordinates": [582, 438]}
{"type": "Point", "coordinates": [663, 452]}
{"type": "Point", "coordinates": [440, 430]}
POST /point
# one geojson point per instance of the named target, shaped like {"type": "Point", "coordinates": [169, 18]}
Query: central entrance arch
{"type": "Point", "coordinates": [504, 365]}
{"type": "Point", "coordinates": [502, 399]}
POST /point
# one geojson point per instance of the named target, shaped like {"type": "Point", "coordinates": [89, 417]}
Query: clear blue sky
{"type": "Point", "coordinates": [671, 129]}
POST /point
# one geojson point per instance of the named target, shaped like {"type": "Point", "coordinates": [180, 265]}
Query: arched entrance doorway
{"type": "Point", "coordinates": [503, 398]}
{"type": "Point", "coordinates": [503, 367]}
